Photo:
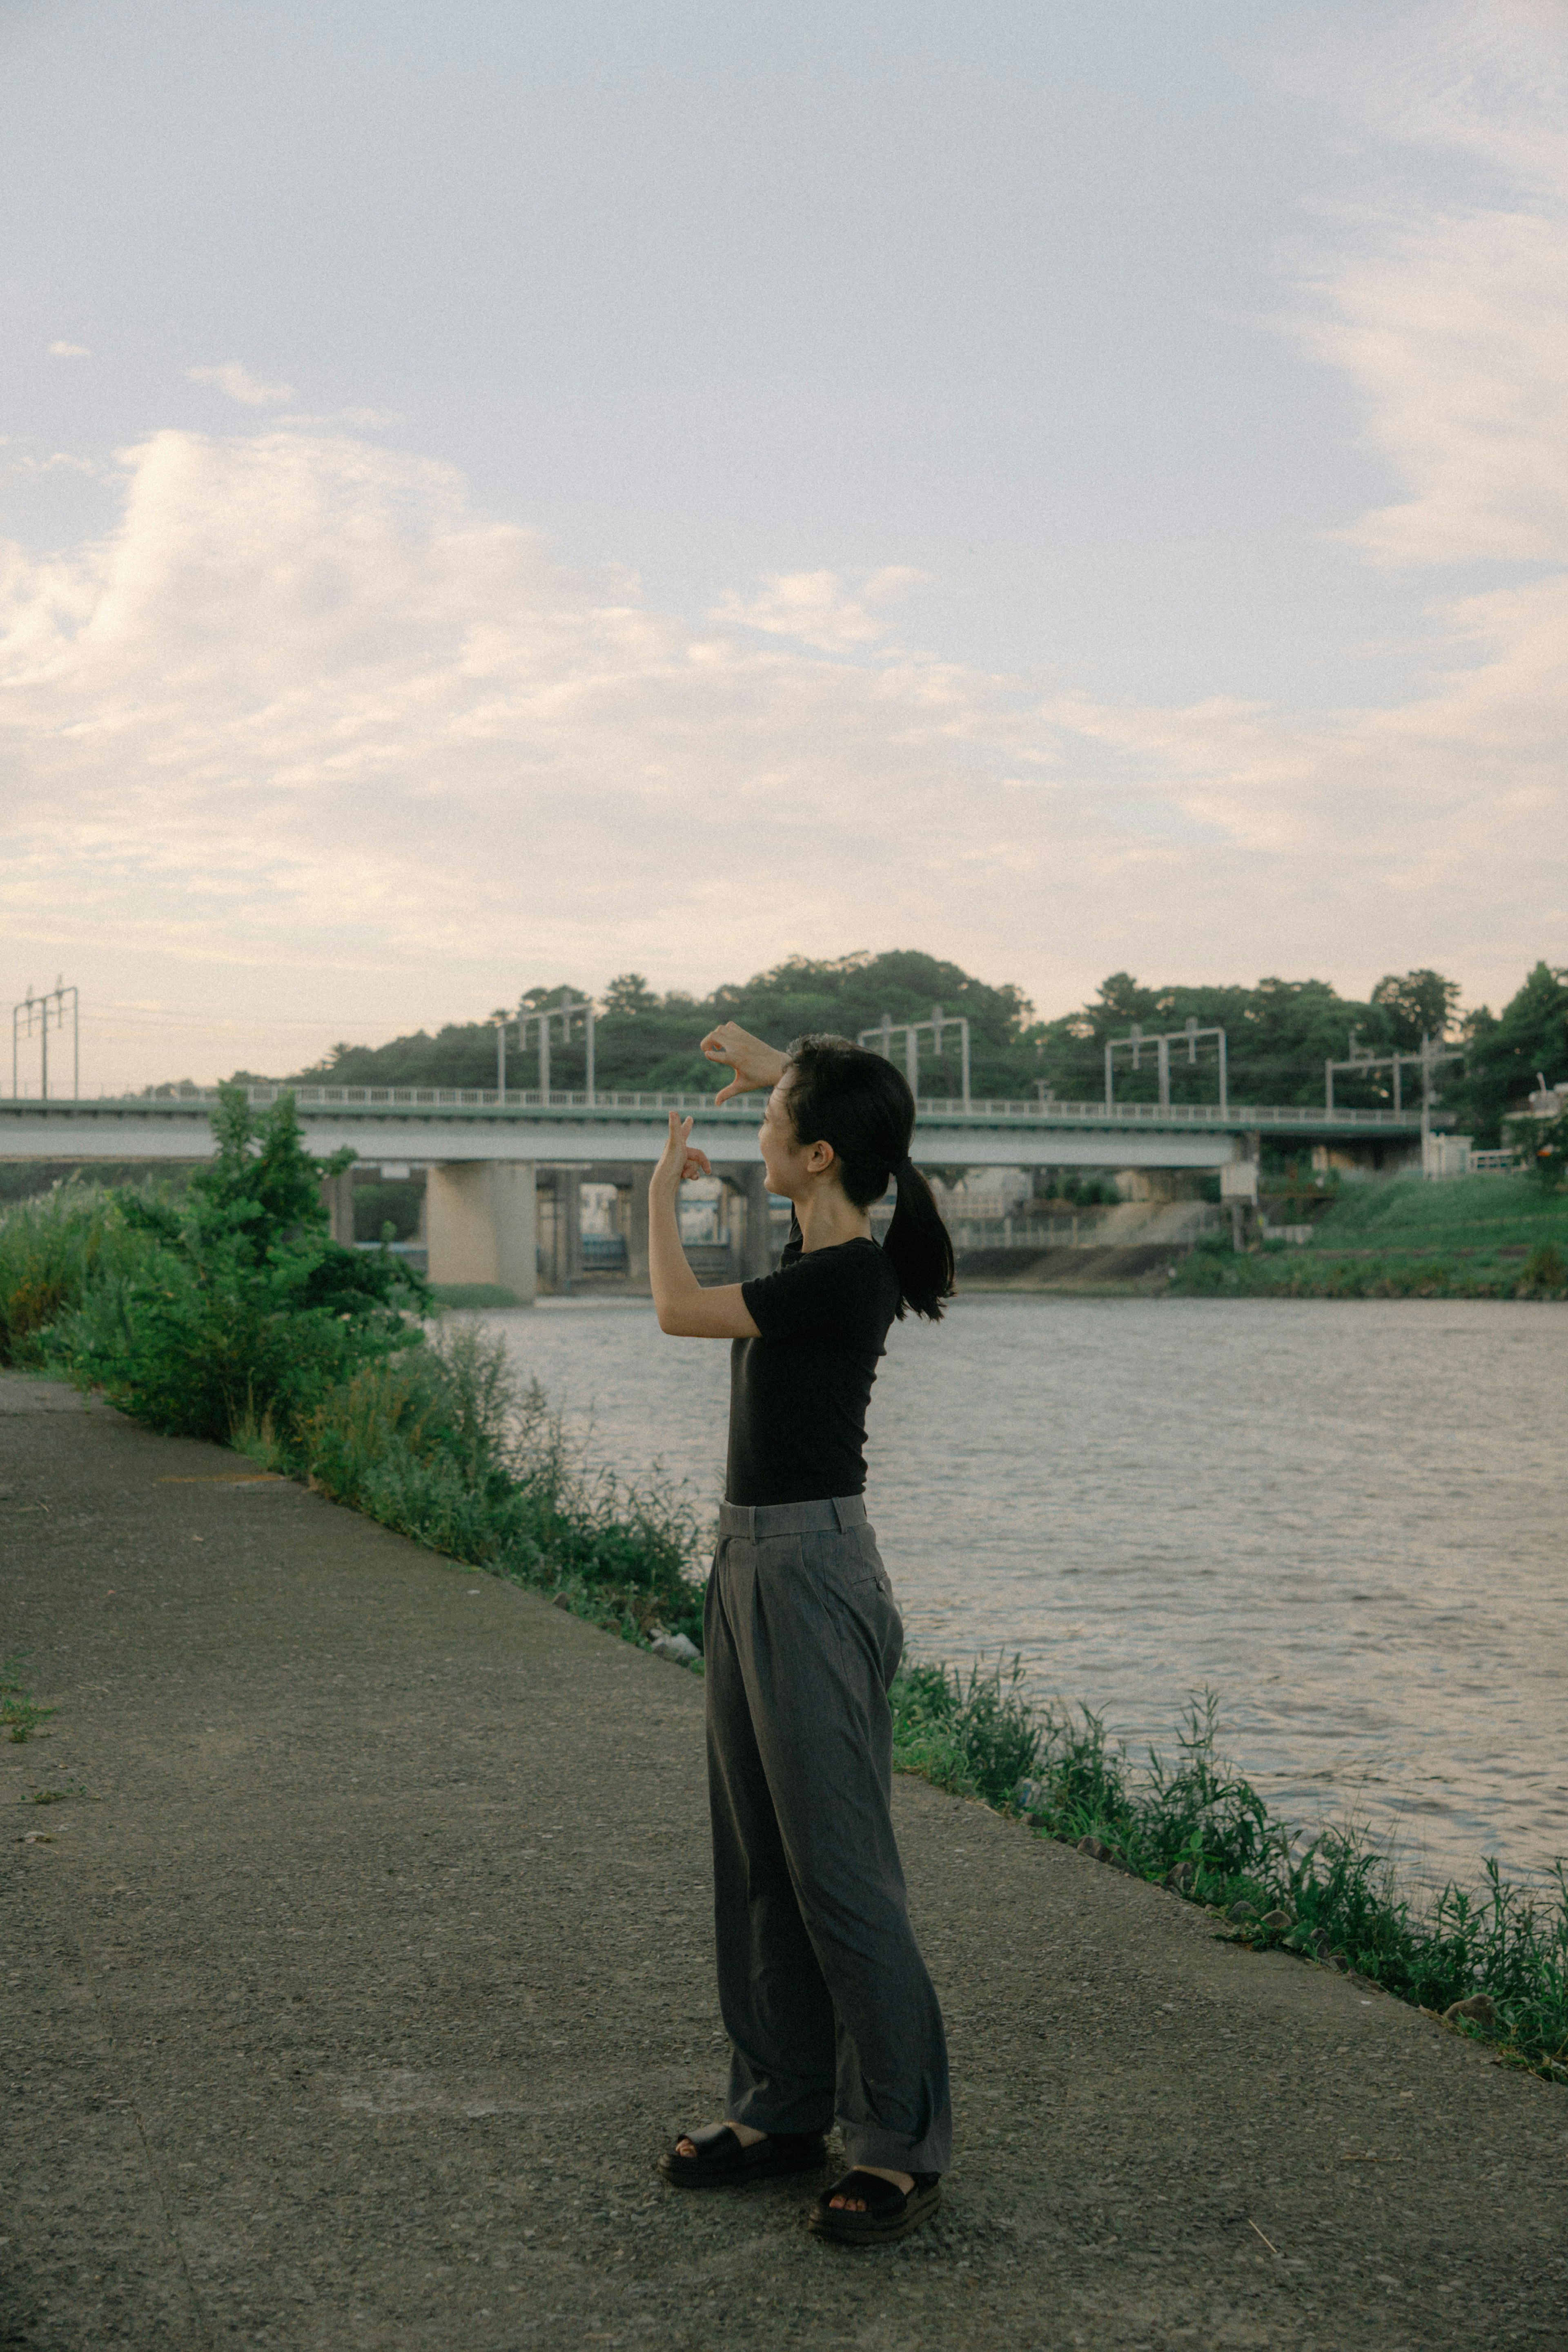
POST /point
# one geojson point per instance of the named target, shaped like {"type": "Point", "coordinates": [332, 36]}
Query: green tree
{"type": "Point", "coordinates": [1507, 1050]}
{"type": "Point", "coordinates": [1415, 1004]}
{"type": "Point", "coordinates": [1279, 1034]}
{"type": "Point", "coordinates": [629, 996]}
{"type": "Point", "coordinates": [239, 1307]}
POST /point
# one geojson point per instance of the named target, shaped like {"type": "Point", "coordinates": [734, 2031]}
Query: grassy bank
{"type": "Point", "coordinates": [1194, 1825]}
{"type": "Point", "coordinates": [226, 1311]}
{"type": "Point", "coordinates": [1472, 1237]}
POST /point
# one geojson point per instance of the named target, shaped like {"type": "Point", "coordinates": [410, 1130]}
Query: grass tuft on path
{"type": "Point", "coordinates": [1193, 1823]}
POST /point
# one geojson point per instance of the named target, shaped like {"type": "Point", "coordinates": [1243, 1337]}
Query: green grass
{"type": "Point", "coordinates": [1191, 1823]}
{"type": "Point", "coordinates": [1473, 1237]}
{"type": "Point", "coordinates": [20, 1715]}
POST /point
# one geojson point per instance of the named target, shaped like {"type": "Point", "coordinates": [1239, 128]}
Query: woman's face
{"type": "Point", "coordinates": [793, 1168]}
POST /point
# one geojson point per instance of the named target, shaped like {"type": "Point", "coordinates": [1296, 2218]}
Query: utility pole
{"type": "Point", "coordinates": [34, 1017]}
{"type": "Point", "coordinates": [540, 1020]}
{"type": "Point", "coordinates": [1426, 1060]}
{"type": "Point", "coordinates": [879, 1040]}
{"type": "Point", "coordinates": [1162, 1044]}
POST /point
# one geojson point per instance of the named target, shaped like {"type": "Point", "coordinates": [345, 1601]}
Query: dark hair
{"type": "Point", "coordinates": [860, 1104]}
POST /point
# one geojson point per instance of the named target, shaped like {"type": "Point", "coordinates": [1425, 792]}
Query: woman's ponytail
{"type": "Point", "coordinates": [860, 1104]}
{"type": "Point", "coordinates": [917, 1244]}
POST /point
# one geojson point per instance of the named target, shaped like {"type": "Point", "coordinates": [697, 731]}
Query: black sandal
{"type": "Point", "coordinates": [723, 2162]}
{"type": "Point", "coordinates": [890, 2211]}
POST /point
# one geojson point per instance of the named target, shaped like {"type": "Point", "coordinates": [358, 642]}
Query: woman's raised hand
{"type": "Point", "coordinates": [680, 1160]}
{"type": "Point", "coordinates": [755, 1065]}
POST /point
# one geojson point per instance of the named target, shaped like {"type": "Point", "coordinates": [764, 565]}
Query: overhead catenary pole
{"type": "Point", "coordinates": [1426, 1060]}
{"type": "Point", "coordinates": [879, 1041]}
{"type": "Point", "coordinates": [1188, 1036]}
{"type": "Point", "coordinates": [36, 1016]}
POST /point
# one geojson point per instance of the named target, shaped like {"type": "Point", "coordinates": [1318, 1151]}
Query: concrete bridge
{"type": "Point", "coordinates": [490, 1154]}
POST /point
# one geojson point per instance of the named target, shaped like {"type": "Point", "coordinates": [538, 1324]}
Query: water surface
{"type": "Point", "coordinates": [1347, 1517]}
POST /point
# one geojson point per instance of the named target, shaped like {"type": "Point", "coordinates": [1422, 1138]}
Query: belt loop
{"type": "Point", "coordinates": [748, 1521]}
{"type": "Point", "coordinates": [839, 1519]}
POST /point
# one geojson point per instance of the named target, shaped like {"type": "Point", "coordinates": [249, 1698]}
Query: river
{"type": "Point", "coordinates": [1346, 1518]}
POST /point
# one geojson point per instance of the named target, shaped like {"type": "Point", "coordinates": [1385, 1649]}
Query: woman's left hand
{"type": "Point", "coordinates": [680, 1160]}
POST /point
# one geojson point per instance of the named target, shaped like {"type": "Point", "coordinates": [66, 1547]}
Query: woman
{"type": "Point", "coordinates": [826, 2000]}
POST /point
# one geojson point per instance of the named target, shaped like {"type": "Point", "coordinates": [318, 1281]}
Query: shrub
{"type": "Point", "coordinates": [1544, 1269]}
{"type": "Point", "coordinates": [52, 1250]}
{"type": "Point", "coordinates": [229, 1304]}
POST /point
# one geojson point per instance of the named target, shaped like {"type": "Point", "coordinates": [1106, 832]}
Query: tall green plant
{"type": "Point", "coordinates": [231, 1305]}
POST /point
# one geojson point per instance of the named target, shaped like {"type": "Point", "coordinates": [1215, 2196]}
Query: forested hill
{"type": "Point", "coordinates": [1280, 1034]}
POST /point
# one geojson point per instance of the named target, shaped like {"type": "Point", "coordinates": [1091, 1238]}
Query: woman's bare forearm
{"type": "Point", "coordinates": [684, 1310]}
{"type": "Point", "coordinates": [670, 1275]}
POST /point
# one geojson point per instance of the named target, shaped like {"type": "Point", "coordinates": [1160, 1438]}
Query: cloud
{"type": "Point", "coordinates": [306, 723]}
{"type": "Point", "coordinates": [815, 607]}
{"type": "Point", "coordinates": [58, 461]}
{"type": "Point", "coordinates": [69, 351]}
{"type": "Point", "coordinates": [240, 385]}
{"type": "Point", "coordinates": [1452, 319]}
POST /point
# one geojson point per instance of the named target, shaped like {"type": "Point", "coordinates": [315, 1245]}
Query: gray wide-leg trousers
{"type": "Point", "coordinates": [825, 1998]}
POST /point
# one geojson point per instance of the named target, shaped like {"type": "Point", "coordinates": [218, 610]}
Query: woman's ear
{"type": "Point", "coordinates": [821, 1157]}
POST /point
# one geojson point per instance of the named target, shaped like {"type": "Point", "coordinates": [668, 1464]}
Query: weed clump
{"type": "Point", "coordinates": [1193, 1823]}
{"type": "Point", "coordinates": [20, 1713]}
{"type": "Point", "coordinates": [443, 1444]}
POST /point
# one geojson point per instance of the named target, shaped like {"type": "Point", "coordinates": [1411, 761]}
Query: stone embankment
{"type": "Point", "coordinates": [359, 1968]}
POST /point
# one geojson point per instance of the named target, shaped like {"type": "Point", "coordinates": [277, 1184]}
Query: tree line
{"type": "Point", "coordinates": [1280, 1033]}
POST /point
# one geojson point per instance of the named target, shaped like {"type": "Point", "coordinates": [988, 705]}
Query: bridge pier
{"type": "Point", "coordinates": [337, 1200]}
{"type": "Point", "coordinates": [481, 1223]}
{"type": "Point", "coordinates": [748, 1182]}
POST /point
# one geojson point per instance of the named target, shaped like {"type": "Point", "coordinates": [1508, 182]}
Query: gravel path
{"type": "Point", "coordinates": [351, 2005]}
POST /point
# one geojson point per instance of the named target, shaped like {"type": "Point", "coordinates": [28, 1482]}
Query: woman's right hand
{"type": "Point", "coordinates": [755, 1066]}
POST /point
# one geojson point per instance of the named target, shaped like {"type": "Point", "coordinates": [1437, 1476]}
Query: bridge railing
{"type": "Point", "coordinates": [933, 1109]}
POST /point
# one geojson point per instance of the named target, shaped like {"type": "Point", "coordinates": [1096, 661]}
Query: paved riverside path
{"type": "Point", "coordinates": [352, 2005]}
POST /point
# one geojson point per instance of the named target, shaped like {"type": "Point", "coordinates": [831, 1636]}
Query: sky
{"type": "Point", "coordinates": [507, 493]}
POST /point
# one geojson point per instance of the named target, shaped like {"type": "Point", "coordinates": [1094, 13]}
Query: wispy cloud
{"type": "Point", "coordinates": [817, 608]}
{"type": "Point", "coordinates": [1452, 320]}
{"type": "Point", "coordinates": [241, 385]}
{"type": "Point", "coordinates": [69, 351]}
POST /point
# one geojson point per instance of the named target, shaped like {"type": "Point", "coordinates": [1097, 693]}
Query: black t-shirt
{"type": "Point", "coordinates": [799, 1394]}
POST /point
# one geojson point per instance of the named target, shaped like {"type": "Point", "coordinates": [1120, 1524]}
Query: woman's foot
{"type": "Point", "coordinates": [869, 2205]}
{"type": "Point", "coordinates": [730, 2156]}
{"type": "Point", "coordinates": [743, 2133]}
{"type": "Point", "coordinates": [851, 2203]}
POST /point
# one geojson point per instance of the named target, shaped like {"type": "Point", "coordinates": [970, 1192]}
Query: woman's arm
{"type": "Point", "coordinates": [685, 1309]}
{"type": "Point", "coordinates": [755, 1066]}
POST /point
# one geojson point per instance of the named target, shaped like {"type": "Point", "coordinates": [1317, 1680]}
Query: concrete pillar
{"type": "Point", "coordinates": [749, 1182]}
{"type": "Point", "coordinates": [337, 1200]}
{"type": "Point", "coordinates": [634, 1206]}
{"type": "Point", "coordinates": [568, 1223]}
{"type": "Point", "coordinates": [482, 1224]}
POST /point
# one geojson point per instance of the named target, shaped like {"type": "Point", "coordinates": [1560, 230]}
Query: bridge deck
{"type": "Point", "coordinates": [476, 1123]}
